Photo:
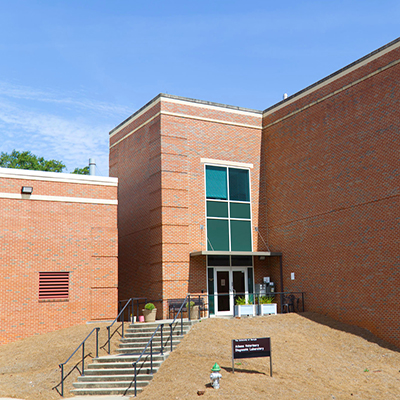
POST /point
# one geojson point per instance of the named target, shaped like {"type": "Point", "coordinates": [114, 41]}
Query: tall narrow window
{"type": "Point", "coordinates": [228, 209]}
{"type": "Point", "coordinates": [53, 285]}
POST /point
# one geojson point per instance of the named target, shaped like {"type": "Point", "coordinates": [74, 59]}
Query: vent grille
{"type": "Point", "coordinates": [53, 285]}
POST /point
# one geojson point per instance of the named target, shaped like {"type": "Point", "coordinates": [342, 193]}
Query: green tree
{"type": "Point", "coordinates": [81, 171]}
{"type": "Point", "coordinates": [27, 160]}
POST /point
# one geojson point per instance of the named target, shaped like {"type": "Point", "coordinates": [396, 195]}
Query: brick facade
{"type": "Point", "coordinates": [324, 192]}
{"type": "Point", "coordinates": [67, 224]}
{"type": "Point", "coordinates": [161, 189]}
{"type": "Point", "coordinates": [332, 198]}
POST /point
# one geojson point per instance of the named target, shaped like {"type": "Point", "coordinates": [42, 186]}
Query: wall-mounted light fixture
{"type": "Point", "coordinates": [26, 189]}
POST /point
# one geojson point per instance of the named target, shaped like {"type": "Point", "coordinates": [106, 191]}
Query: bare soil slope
{"type": "Point", "coordinates": [29, 367]}
{"type": "Point", "coordinates": [314, 357]}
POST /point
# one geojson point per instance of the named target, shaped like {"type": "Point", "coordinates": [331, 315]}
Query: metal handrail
{"type": "Point", "coordinates": [150, 342]}
{"type": "Point", "coordinates": [128, 303]}
{"type": "Point", "coordinates": [257, 295]}
{"type": "Point", "coordinates": [83, 357]}
{"type": "Point", "coordinates": [187, 300]}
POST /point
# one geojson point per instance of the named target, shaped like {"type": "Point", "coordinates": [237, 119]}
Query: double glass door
{"type": "Point", "coordinates": [231, 283]}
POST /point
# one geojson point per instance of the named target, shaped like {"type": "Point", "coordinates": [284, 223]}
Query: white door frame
{"type": "Point", "coordinates": [231, 289]}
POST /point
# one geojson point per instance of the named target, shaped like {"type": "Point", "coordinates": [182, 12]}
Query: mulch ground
{"type": "Point", "coordinates": [29, 368]}
{"type": "Point", "coordinates": [313, 357]}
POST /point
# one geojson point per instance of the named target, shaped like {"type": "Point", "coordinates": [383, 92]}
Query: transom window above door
{"type": "Point", "coordinates": [228, 209]}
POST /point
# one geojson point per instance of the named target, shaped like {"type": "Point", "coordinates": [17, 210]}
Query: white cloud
{"type": "Point", "coordinates": [51, 96]}
{"type": "Point", "coordinates": [64, 133]}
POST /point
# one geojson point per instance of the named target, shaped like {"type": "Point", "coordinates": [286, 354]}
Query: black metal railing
{"type": "Point", "coordinates": [82, 372]}
{"type": "Point", "coordinates": [150, 342]}
{"type": "Point", "coordinates": [185, 301]}
{"type": "Point", "coordinates": [129, 308]}
{"type": "Point", "coordinates": [286, 301]}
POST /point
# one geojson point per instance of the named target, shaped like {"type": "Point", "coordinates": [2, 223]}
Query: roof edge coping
{"type": "Point", "coordinates": [56, 176]}
{"type": "Point", "coordinates": [353, 64]}
{"type": "Point", "coordinates": [187, 99]}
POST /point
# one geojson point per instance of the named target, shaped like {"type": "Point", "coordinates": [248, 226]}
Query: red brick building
{"type": "Point", "coordinates": [58, 251]}
{"type": "Point", "coordinates": [210, 195]}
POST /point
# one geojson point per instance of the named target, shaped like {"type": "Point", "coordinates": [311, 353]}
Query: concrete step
{"type": "Point", "coordinates": [129, 358]}
{"type": "Point", "coordinates": [122, 391]}
{"type": "Point", "coordinates": [123, 365]}
{"type": "Point", "coordinates": [150, 327]}
{"type": "Point", "coordinates": [110, 384]}
{"type": "Point", "coordinates": [128, 350]}
{"type": "Point", "coordinates": [146, 336]}
{"type": "Point", "coordinates": [115, 374]}
{"type": "Point", "coordinates": [141, 341]}
{"type": "Point", "coordinates": [122, 371]}
{"type": "Point", "coordinates": [112, 378]}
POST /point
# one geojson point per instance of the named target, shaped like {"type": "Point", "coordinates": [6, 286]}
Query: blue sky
{"type": "Point", "coordinates": [72, 70]}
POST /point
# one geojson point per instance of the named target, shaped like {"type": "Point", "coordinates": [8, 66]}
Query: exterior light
{"type": "Point", "coordinates": [27, 190]}
{"type": "Point", "coordinates": [215, 376]}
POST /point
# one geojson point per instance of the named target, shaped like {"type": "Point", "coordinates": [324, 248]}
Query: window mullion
{"type": "Point", "coordinates": [229, 208]}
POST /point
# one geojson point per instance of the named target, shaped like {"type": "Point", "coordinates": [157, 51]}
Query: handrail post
{"type": "Point", "coordinates": [123, 320]}
{"type": "Point", "coordinates": [188, 303]}
{"type": "Point", "coordinates": [109, 339]}
{"type": "Point", "coordinates": [83, 359]}
{"type": "Point", "coordinates": [181, 323]}
{"type": "Point", "coordinates": [171, 336]}
{"type": "Point", "coordinates": [62, 379]}
{"type": "Point", "coordinates": [151, 357]}
{"type": "Point", "coordinates": [162, 343]}
{"type": "Point", "coordinates": [97, 342]}
{"type": "Point", "coordinates": [135, 379]}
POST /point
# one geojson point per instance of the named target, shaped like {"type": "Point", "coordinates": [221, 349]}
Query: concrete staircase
{"type": "Point", "coordinates": [115, 375]}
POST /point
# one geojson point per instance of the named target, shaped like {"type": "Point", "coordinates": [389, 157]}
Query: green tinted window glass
{"type": "Point", "coordinates": [241, 236]}
{"type": "Point", "coordinates": [240, 210]}
{"type": "Point", "coordinates": [210, 274]}
{"type": "Point", "coordinates": [250, 284]}
{"type": "Point", "coordinates": [217, 209]}
{"type": "Point", "coordinates": [216, 183]}
{"type": "Point", "coordinates": [239, 184]}
{"type": "Point", "coordinates": [217, 235]}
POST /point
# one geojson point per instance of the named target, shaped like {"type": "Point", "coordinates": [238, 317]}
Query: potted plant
{"type": "Point", "coordinates": [243, 307]}
{"type": "Point", "coordinates": [149, 312]}
{"type": "Point", "coordinates": [266, 305]}
{"type": "Point", "coordinates": [194, 310]}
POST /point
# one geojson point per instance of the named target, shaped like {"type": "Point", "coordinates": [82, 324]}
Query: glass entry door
{"type": "Point", "coordinates": [231, 284]}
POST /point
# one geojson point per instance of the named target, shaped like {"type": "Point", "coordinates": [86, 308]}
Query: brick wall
{"type": "Point", "coordinates": [331, 168]}
{"type": "Point", "coordinates": [67, 224]}
{"type": "Point", "coordinates": [161, 189]}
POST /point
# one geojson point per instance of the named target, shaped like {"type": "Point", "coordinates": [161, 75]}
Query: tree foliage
{"type": "Point", "coordinates": [27, 160]}
{"type": "Point", "coordinates": [81, 171]}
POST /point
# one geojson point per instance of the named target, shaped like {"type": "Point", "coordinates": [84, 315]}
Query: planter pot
{"type": "Point", "coordinates": [264, 309]}
{"type": "Point", "coordinates": [247, 309]}
{"type": "Point", "coordinates": [194, 312]}
{"type": "Point", "coordinates": [149, 316]}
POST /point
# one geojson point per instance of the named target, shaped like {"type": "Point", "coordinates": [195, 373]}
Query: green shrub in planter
{"type": "Point", "coordinates": [240, 301]}
{"type": "Point", "coordinates": [149, 306]}
{"type": "Point", "coordinates": [191, 304]}
{"type": "Point", "coordinates": [266, 299]}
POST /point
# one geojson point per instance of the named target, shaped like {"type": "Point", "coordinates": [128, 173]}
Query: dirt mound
{"type": "Point", "coordinates": [313, 357]}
